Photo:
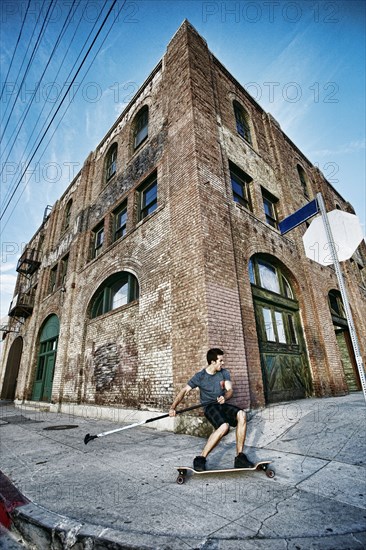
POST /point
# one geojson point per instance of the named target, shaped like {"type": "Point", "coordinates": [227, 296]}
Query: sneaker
{"type": "Point", "coordinates": [241, 461]}
{"type": "Point", "coordinates": [199, 464]}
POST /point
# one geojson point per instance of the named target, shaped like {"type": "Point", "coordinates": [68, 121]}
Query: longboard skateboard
{"type": "Point", "coordinates": [183, 470]}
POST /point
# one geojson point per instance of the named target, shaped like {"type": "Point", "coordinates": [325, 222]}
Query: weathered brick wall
{"type": "Point", "coordinates": [188, 304]}
{"type": "Point", "coordinates": [118, 359]}
{"type": "Point", "coordinates": [272, 163]}
{"type": "Point", "coordinates": [224, 318]}
{"type": "Point", "coordinates": [190, 256]}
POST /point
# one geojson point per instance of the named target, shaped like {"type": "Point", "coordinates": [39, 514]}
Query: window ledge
{"type": "Point", "coordinates": [266, 225]}
{"type": "Point", "coordinates": [110, 247]}
{"type": "Point", "coordinates": [247, 143]}
{"type": "Point", "coordinates": [108, 181]}
{"type": "Point", "coordinates": [113, 312]}
{"type": "Point", "coordinates": [147, 218]}
{"type": "Point", "coordinates": [52, 293]}
{"type": "Point", "coordinates": [139, 148]}
{"type": "Point", "coordinates": [91, 261]}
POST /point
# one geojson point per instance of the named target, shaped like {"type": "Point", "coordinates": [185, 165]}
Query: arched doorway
{"type": "Point", "coordinates": [281, 342]}
{"type": "Point", "coordinates": [12, 369]}
{"type": "Point", "coordinates": [344, 340]}
{"type": "Point", "coordinates": [42, 387]}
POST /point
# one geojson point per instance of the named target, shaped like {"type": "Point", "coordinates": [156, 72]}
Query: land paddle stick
{"type": "Point", "coordinates": [89, 437]}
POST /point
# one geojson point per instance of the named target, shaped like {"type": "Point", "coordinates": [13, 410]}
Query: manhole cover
{"type": "Point", "coordinates": [62, 427]}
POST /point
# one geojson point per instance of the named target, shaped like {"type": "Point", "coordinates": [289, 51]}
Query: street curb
{"type": "Point", "coordinates": [10, 499]}
{"type": "Point", "coordinates": [45, 529]}
{"type": "Point", "coordinates": [42, 528]}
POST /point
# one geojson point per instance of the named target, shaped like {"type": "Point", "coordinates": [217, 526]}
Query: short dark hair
{"type": "Point", "coordinates": [212, 354]}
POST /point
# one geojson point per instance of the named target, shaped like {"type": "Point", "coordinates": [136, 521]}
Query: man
{"type": "Point", "coordinates": [215, 385]}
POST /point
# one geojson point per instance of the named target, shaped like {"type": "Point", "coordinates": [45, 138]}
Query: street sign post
{"type": "Point", "coordinates": [333, 259]}
{"type": "Point", "coordinates": [298, 217]}
{"type": "Point", "coordinates": [346, 232]}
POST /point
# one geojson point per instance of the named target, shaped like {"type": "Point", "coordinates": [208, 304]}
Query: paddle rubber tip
{"type": "Point", "coordinates": [89, 437]}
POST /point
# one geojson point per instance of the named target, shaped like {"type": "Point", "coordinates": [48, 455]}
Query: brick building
{"type": "Point", "coordinates": [166, 243]}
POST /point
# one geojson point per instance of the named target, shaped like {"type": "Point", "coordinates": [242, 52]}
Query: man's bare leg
{"type": "Point", "coordinates": [215, 438]}
{"type": "Point", "coordinates": [241, 431]}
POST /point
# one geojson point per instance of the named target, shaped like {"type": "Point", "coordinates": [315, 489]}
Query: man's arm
{"type": "Point", "coordinates": [181, 395]}
{"type": "Point", "coordinates": [229, 392]}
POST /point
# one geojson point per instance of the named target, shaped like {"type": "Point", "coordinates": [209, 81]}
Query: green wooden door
{"type": "Point", "coordinates": [348, 361]}
{"type": "Point", "coordinates": [284, 364]}
{"type": "Point", "coordinates": [42, 387]}
{"type": "Point", "coordinates": [283, 361]}
{"type": "Point", "coordinates": [344, 341]}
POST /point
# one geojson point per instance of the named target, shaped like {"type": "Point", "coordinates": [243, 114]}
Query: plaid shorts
{"type": "Point", "coordinates": [222, 414]}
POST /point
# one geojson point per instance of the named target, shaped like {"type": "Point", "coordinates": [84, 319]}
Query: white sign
{"type": "Point", "coordinates": [347, 235]}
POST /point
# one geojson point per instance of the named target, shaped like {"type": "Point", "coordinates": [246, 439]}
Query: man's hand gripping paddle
{"type": "Point", "coordinates": [89, 437]}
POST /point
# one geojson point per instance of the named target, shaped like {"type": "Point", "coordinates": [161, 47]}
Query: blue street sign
{"type": "Point", "coordinates": [301, 215]}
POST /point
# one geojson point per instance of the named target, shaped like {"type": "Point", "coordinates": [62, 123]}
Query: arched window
{"type": "Point", "coordinates": [67, 214]}
{"type": "Point", "coordinates": [140, 126]}
{"type": "Point", "coordinates": [116, 291]}
{"type": "Point", "coordinates": [111, 162]}
{"type": "Point", "coordinates": [242, 122]}
{"type": "Point", "coordinates": [268, 276]}
{"type": "Point", "coordinates": [303, 181]}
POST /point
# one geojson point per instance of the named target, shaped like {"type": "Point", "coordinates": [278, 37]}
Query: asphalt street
{"type": "Point", "coordinates": [120, 491]}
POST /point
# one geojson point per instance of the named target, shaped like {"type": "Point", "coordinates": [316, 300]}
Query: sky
{"type": "Point", "coordinates": [303, 61]}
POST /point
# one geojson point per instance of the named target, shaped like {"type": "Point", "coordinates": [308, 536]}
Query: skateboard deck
{"type": "Point", "coordinates": [263, 465]}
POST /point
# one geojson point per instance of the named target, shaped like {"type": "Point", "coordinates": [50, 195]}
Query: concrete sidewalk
{"type": "Point", "coordinates": [120, 492]}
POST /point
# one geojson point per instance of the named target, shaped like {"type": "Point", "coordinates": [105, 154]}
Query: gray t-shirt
{"type": "Point", "coordinates": [211, 386]}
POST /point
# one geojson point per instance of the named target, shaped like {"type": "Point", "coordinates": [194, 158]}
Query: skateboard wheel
{"type": "Point", "coordinates": [270, 473]}
{"type": "Point", "coordinates": [180, 480]}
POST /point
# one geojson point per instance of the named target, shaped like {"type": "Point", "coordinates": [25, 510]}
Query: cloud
{"type": "Point", "coordinates": [8, 283]}
{"type": "Point", "coordinates": [8, 279]}
{"type": "Point", "coordinates": [7, 267]}
{"type": "Point", "coordinates": [352, 147]}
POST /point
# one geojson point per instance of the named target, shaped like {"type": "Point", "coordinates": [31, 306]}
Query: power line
{"type": "Point", "coordinates": [15, 49]}
{"type": "Point", "coordinates": [26, 53]}
{"type": "Point", "coordinates": [45, 22]}
{"type": "Point", "coordinates": [44, 150]}
{"type": "Point", "coordinates": [58, 108]}
{"type": "Point", "coordinates": [54, 106]}
{"type": "Point", "coordinates": [22, 120]}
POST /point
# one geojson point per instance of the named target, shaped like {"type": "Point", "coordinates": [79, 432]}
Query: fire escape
{"type": "Point", "coordinates": [23, 302]}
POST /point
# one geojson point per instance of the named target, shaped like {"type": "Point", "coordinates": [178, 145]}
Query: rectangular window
{"type": "Point", "coordinates": [303, 181]}
{"type": "Point", "coordinates": [148, 197]}
{"type": "Point", "coordinates": [270, 211]}
{"type": "Point", "coordinates": [291, 325]}
{"type": "Point", "coordinates": [280, 327]}
{"type": "Point", "coordinates": [268, 324]}
{"type": "Point", "coordinates": [97, 242]}
{"type": "Point", "coordinates": [40, 368]}
{"type": "Point", "coordinates": [111, 163]}
{"type": "Point", "coordinates": [119, 295]}
{"type": "Point", "coordinates": [362, 273]}
{"type": "Point", "coordinates": [141, 126]}
{"type": "Point", "coordinates": [120, 222]}
{"type": "Point", "coordinates": [63, 270]}
{"type": "Point", "coordinates": [240, 186]}
{"type": "Point", "coordinates": [53, 279]}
